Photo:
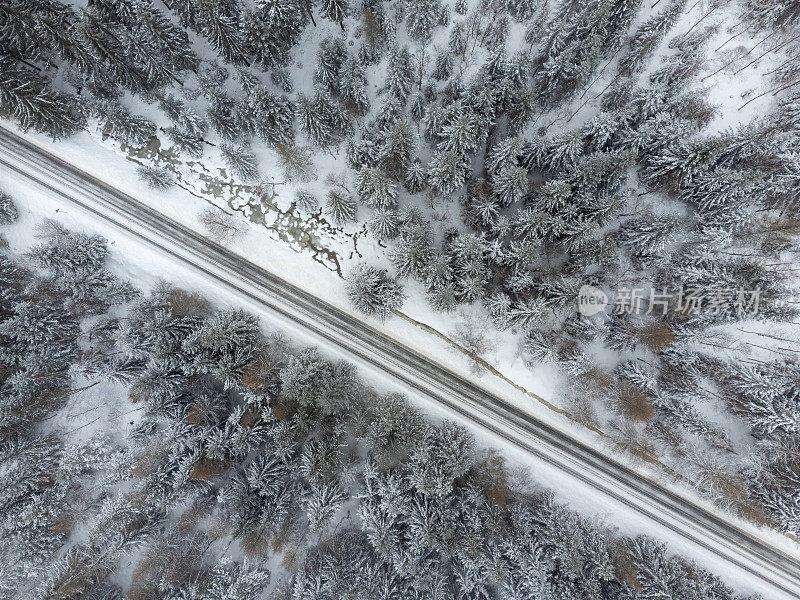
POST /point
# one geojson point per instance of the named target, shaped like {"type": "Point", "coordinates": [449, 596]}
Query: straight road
{"type": "Point", "coordinates": [771, 571]}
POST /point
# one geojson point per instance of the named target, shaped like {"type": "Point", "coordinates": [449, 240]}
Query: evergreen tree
{"type": "Point", "coordinates": [400, 73]}
{"type": "Point", "coordinates": [416, 177]}
{"type": "Point", "coordinates": [156, 178]}
{"type": "Point", "coordinates": [331, 56]}
{"type": "Point", "coordinates": [272, 28]}
{"type": "Point", "coordinates": [27, 98]}
{"type": "Point", "coordinates": [647, 37]}
{"type": "Point", "coordinates": [375, 188]}
{"type": "Point", "coordinates": [510, 185]}
{"type": "Point", "coordinates": [306, 202]}
{"type": "Point", "coordinates": [321, 119]}
{"type": "Point", "coordinates": [447, 171]}
{"type": "Point", "coordinates": [123, 126]}
{"type": "Point", "coordinates": [341, 207]}
{"type": "Point", "coordinates": [373, 292]}
{"type": "Point", "coordinates": [353, 86]}
{"type": "Point", "coordinates": [445, 453]}
{"type": "Point", "coordinates": [422, 17]}
{"type": "Point", "coordinates": [8, 212]}
{"type": "Point", "coordinates": [241, 160]}
{"type": "Point", "coordinates": [265, 114]}
{"type": "Point", "coordinates": [384, 223]}
{"type": "Point", "coordinates": [217, 21]}
{"type": "Point", "coordinates": [335, 10]}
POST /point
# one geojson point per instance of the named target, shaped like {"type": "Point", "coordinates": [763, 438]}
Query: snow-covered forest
{"type": "Point", "coordinates": [501, 155]}
{"type": "Point", "coordinates": [154, 447]}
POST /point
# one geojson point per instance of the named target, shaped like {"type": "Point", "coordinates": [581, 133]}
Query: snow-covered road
{"type": "Point", "coordinates": [725, 547]}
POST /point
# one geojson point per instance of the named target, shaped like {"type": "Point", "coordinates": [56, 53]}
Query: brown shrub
{"type": "Point", "coordinates": [221, 227]}
{"type": "Point", "coordinates": [249, 417]}
{"type": "Point", "coordinates": [627, 438]}
{"type": "Point", "coordinates": [281, 411]}
{"type": "Point", "coordinates": [295, 161]}
{"type": "Point", "coordinates": [64, 523]}
{"type": "Point", "coordinates": [634, 403]}
{"type": "Point", "coordinates": [186, 304]}
{"type": "Point", "coordinates": [656, 336]}
{"type": "Point", "coordinates": [261, 373]}
{"type": "Point", "coordinates": [146, 462]}
{"type": "Point", "coordinates": [218, 528]}
{"type": "Point", "coordinates": [624, 567]}
{"type": "Point", "coordinates": [190, 517]}
{"type": "Point", "coordinates": [493, 476]}
{"type": "Point", "coordinates": [255, 544]}
{"type": "Point", "coordinates": [206, 469]}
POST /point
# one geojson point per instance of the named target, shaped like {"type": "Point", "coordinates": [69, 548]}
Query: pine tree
{"type": "Point", "coordinates": [461, 131]}
{"type": "Point", "coordinates": [414, 251]}
{"type": "Point", "coordinates": [306, 202]}
{"type": "Point", "coordinates": [400, 73]}
{"type": "Point", "coordinates": [241, 160]}
{"type": "Point", "coordinates": [268, 115]}
{"type": "Point", "coordinates": [123, 126]}
{"type": "Point", "coordinates": [217, 21]}
{"type": "Point", "coordinates": [447, 171]}
{"type": "Point", "coordinates": [321, 119]}
{"type": "Point", "coordinates": [375, 188]}
{"type": "Point", "coordinates": [8, 212]}
{"type": "Point", "coordinates": [650, 236]}
{"type": "Point", "coordinates": [222, 345]}
{"type": "Point", "coordinates": [444, 454]}
{"type": "Point", "coordinates": [510, 185]}
{"type": "Point", "coordinates": [27, 98]}
{"type": "Point", "coordinates": [373, 292]}
{"type": "Point", "coordinates": [272, 28]}
{"type": "Point", "coordinates": [647, 37]}
{"type": "Point", "coordinates": [156, 178]}
{"type": "Point", "coordinates": [416, 177]}
{"type": "Point", "coordinates": [341, 207]}
{"type": "Point", "coordinates": [422, 17]}
{"type": "Point", "coordinates": [331, 56]}
{"type": "Point", "coordinates": [321, 503]}
{"type": "Point", "coordinates": [399, 143]}
{"type": "Point", "coordinates": [336, 10]}
{"type": "Point", "coordinates": [221, 115]}
{"type": "Point", "coordinates": [353, 86]}
{"type": "Point", "coordinates": [384, 224]}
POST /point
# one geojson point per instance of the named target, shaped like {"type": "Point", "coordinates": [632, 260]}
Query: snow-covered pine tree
{"type": "Point", "coordinates": [331, 56]}
{"type": "Point", "coordinates": [373, 292]}
{"type": "Point", "coordinates": [27, 98]}
{"type": "Point", "coordinates": [447, 171]}
{"type": "Point", "coordinates": [240, 159]}
{"type": "Point", "coordinates": [375, 188]}
{"type": "Point", "coordinates": [384, 223]}
{"type": "Point", "coordinates": [321, 118]}
{"type": "Point", "coordinates": [155, 177]}
{"type": "Point", "coordinates": [644, 41]}
{"type": "Point", "coordinates": [8, 211]}
{"type": "Point", "coordinates": [271, 28]}
{"type": "Point", "coordinates": [353, 86]}
{"type": "Point", "coordinates": [217, 21]}
{"type": "Point", "coordinates": [341, 206]}
{"type": "Point", "coordinates": [306, 201]}
{"type": "Point", "coordinates": [265, 114]}
{"type": "Point", "coordinates": [422, 17]}
{"type": "Point", "coordinates": [336, 10]}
